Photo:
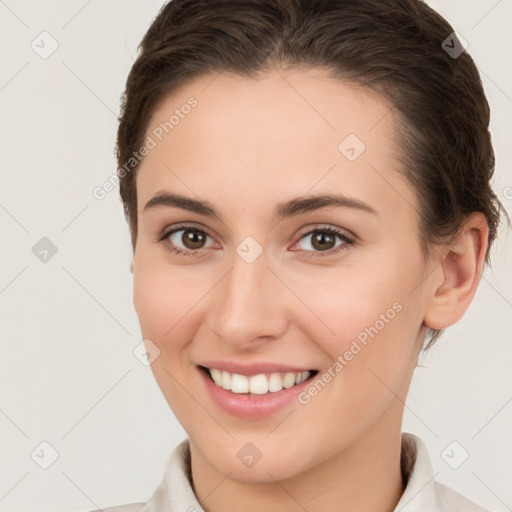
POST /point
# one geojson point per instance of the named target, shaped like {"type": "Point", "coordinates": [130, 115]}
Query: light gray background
{"type": "Point", "coordinates": [68, 374]}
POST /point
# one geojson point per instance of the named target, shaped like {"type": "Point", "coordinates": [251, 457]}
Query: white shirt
{"type": "Point", "coordinates": [422, 493]}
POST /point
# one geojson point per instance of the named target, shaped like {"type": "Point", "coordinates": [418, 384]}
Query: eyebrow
{"type": "Point", "coordinates": [289, 208]}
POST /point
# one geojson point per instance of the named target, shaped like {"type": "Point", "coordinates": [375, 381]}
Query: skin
{"type": "Point", "coordinates": [247, 146]}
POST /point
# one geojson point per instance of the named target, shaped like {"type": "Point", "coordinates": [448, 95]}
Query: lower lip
{"type": "Point", "coordinates": [251, 406]}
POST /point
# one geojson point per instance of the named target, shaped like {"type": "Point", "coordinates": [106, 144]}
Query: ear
{"type": "Point", "coordinates": [462, 263]}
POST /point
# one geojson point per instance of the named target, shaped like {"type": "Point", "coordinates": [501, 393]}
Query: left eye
{"type": "Point", "coordinates": [323, 240]}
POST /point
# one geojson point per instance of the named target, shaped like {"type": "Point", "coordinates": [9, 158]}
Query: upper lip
{"type": "Point", "coordinates": [252, 368]}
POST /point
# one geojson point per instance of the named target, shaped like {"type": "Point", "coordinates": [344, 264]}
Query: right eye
{"type": "Point", "coordinates": [186, 240]}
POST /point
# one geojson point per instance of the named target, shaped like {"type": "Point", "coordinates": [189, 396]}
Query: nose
{"type": "Point", "coordinates": [249, 305]}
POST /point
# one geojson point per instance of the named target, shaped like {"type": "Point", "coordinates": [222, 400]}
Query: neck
{"type": "Point", "coordinates": [364, 477]}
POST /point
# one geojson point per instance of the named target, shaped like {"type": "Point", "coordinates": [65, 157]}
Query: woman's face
{"type": "Point", "coordinates": [261, 282]}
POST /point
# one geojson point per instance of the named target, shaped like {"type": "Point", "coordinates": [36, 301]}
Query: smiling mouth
{"type": "Point", "coordinates": [259, 384]}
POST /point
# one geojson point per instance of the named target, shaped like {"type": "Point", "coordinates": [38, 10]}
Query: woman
{"type": "Point", "coordinates": [307, 185]}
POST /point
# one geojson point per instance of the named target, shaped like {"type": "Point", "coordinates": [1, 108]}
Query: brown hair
{"type": "Point", "coordinates": [400, 48]}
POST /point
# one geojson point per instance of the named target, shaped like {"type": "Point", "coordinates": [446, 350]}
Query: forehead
{"type": "Point", "coordinates": [282, 134]}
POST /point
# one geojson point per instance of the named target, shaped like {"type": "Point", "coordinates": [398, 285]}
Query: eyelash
{"type": "Point", "coordinates": [346, 239]}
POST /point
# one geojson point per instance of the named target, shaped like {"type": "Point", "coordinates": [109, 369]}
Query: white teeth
{"type": "Point", "coordinates": [216, 376]}
{"type": "Point", "coordinates": [289, 380]}
{"type": "Point", "coordinates": [226, 380]}
{"type": "Point", "coordinates": [275, 383]}
{"type": "Point", "coordinates": [257, 384]}
{"type": "Point", "coordinates": [240, 384]}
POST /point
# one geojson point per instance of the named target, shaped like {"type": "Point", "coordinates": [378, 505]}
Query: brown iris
{"type": "Point", "coordinates": [323, 241]}
{"type": "Point", "coordinates": [193, 239]}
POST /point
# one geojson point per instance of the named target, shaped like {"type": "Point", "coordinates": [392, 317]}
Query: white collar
{"type": "Point", "coordinates": [422, 493]}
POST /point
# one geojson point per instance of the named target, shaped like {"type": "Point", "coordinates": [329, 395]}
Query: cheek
{"type": "Point", "coordinates": [369, 297]}
{"type": "Point", "coordinates": [164, 300]}
{"type": "Point", "coordinates": [367, 321]}
{"type": "Point", "coordinates": [349, 305]}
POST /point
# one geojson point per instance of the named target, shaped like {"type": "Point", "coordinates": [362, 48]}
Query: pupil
{"type": "Point", "coordinates": [320, 241]}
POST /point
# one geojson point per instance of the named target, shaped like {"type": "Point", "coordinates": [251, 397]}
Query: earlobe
{"type": "Point", "coordinates": [462, 264]}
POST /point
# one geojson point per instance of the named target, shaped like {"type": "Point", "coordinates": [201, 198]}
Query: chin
{"type": "Point", "coordinates": [268, 464]}
{"type": "Point", "coordinates": [261, 472]}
